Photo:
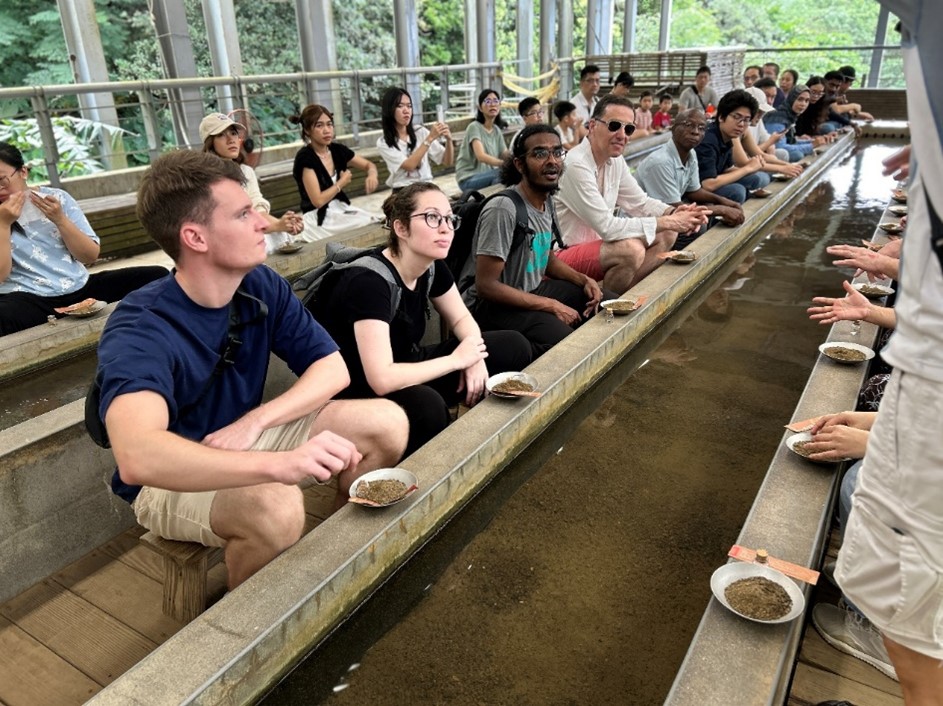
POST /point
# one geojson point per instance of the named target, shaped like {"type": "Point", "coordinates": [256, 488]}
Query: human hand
{"type": "Point", "coordinates": [865, 260]}
{"type": "Point", "coordinates": [778, 135]}
{"type": "Point", "coordinates": [862, 115]}
{"type": "Point", "coordinates": [755, 164]}
{"type": "Point", "coordinates": [290, 222]}
{"type": "Point", "coordinates": [855, 420]}
{"type": "Point", "coordinates": [728, 215]}
{"type": "Point", "coordinates": [685, 218]}
{"type": "Point", "coordinates": [469, 351]}
{"type": "Point", "coordinates": [854, 307]}
{"type": "Point", "coordinates": [371, 182]}
{"type": "Point", "coordinates": [898, 164]}
{"type": "Point", "coordinates": [837, 442]}
{"type": "Point", "coordinates": [567, 315]}
{"type": "Point", "coordinates": [49, 206]}
{"type": "Point", "coordinates": [437, 130]}
{"type": "Point", "coordinates": [892, 248]}
{"type": "Point", "coordinates": [792, 170]}
{"type": "Point", "coordinates": [240, 435]}
{"type": "Point", "coordinates": [593, 293]}
{"type": "Point", "coordinates": [11, 209]}
{"type": "Point", "coordinates": [321, 457]}
{"type": "Point", "coordinates": [343, 179]}
{"type": "Point", "coordinates": [472, 380]}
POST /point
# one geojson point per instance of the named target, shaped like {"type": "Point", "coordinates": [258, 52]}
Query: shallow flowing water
{"type": "Point", "coordinates": [580, 574]}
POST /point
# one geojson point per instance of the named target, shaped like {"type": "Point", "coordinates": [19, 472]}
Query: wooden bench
{"type": "Point", "coordinates": [185, 566]}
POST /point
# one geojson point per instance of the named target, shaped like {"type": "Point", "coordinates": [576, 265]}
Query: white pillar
{"type": "Point", "coordinates": [219, 16]}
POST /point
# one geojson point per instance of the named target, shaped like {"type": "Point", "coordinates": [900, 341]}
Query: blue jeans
{"type": "Point", "coordinates": [740, 190]}
{"type": "Point", "coordinates": [480, 180]}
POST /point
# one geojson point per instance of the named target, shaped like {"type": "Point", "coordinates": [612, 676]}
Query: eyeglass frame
{"type": "Point", "coordinates": [491, 101]}
{"type": "Point", "coordinates": [8, 179]}
{"type": "Point", "coordinates": [621, 126]}
{"type": "Point", "coordinates": [453, 219]}
{"type": "Point", "coordinates": [687, 125]}
{"type": "Point", "coordinates": [558, 153]}
{"type": "Point", "coordinates": [534, 111]}
{"type": "Point", "coordinates": [739, 119]}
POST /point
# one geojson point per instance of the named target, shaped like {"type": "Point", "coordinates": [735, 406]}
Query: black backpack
{"type": "Point", "coordinates": [317, 283]}
{"type": "Point", "coordinates": [469, 207]}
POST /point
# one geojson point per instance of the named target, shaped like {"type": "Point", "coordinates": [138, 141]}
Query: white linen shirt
{"type": "Point", "coordinates": [587, 199]}
{"type": "Point", "coordinates": [584, 108]}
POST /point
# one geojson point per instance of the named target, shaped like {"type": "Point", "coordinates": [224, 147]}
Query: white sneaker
{"type": "Point", "coordinates": [852, 633]}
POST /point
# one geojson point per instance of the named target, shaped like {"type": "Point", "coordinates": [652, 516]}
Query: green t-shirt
{"type": "Point", "coordinates": [466, 164]}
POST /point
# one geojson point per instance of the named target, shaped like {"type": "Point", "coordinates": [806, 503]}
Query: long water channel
{"type": "Point", "coordinates": [580, 574]}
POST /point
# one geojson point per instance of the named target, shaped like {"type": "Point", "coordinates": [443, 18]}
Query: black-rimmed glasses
{"type": "Point", "coordinates": [616, 125]}
{"type": "Point", "coordinates": [542, 154]}
{"type": "Point", "coordinates": [434, 219]}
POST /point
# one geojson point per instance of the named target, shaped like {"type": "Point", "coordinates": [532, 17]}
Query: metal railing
{"type": "Point", "coordinates": [158, 115]}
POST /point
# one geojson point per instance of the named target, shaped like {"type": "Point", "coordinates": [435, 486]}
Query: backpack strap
{"type": "Point", "coordinates": [522, 225]}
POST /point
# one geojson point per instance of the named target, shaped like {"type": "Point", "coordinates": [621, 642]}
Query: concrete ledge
{"type": "Point", "coordinates": [243, 644]}
{"type": "Point", "coordinates": [731, 660]}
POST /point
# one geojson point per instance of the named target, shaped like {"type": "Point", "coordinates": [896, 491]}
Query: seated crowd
{"type": "Point", "coordinates": [183, 359]}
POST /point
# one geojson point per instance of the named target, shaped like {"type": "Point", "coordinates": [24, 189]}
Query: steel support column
{"type": "Point", "coordinates": [877, 55]}
{"type": "Point", "coordinates": [599, 18]}
{"type": "Point", "coordinates": [176, 51]}
{"type": "Point", "coordinates": [548, 21]}
{"type": "Point", "coordinates": [223, 36]}
{"type": "Point", "coordinates": [319, 52]}
{"type": "Point", "coordinates": [565, 46]}
{"type": "Point", "coordinates": [406, 29]}
{"type": "Point", "coordinates": [486, 42]}
{"type": "Point", "coordinates": [628, 26]}
{"type": "Point", "coordinates": [664, 26]}
{"type": "Point", "coordinates": [87, 58]}
{"type": "Point", "coordinates": [525, 38]}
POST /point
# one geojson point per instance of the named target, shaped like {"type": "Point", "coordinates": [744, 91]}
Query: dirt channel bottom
{"type": "Point", "coordinates": [587, 585]}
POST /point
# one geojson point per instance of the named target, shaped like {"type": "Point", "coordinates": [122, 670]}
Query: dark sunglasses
{"type": "Point", "coordinates": [615, 126]}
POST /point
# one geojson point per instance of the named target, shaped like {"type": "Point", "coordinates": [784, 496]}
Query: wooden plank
{"type": "Point", "coordinates": [31, 674]}
{"type": "Point", "coordinates": [319, 500]}
{"type": "Point", "coordinates": [125, 594]}
{"type": "Point", "coordinates": [823, 657]}
{"type": "Point", "coordinates": [127, 549]}
{"type": "Point", "coordinates": [88, 638]}
{"type": "Point", "coordinates": [812, 685]}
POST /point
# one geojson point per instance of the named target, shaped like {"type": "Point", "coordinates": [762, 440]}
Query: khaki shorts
{"type": "Point", "coordinates": [891, 560]}
{"type": "Point", "coordinates": [185, 517]}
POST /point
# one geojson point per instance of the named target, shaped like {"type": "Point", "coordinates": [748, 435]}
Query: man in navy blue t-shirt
{"type": "Point", "coordinates": [200, 457]}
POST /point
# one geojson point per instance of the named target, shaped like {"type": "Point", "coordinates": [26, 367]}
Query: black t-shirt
{"type": "Point", "coordinates": [714, 156]}
{"type": "Point", "coordinates": [307, 159]}
{"type": "Point", "coordinates": [361, 294]}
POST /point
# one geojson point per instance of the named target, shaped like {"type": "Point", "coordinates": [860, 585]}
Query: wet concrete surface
{"type": "Point", "coordinates": [582, 579]}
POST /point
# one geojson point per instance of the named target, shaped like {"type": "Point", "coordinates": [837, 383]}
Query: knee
{"type": "Point", "coordinates": [387, 430]}
{"type": "Point", "coordinates": [280, 515]}
{"type": "Point", "coordinates": [629, 252]}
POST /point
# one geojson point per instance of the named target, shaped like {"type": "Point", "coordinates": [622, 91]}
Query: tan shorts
{"type": "Point", "coordinates": [186, 516]}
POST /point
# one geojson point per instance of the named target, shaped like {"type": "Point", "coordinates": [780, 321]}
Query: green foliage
{"type": "Point", "coordinates": [74, 139]}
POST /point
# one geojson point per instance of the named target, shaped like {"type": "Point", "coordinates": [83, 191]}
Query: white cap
{"type": "Point", "coordinates": [757, 93]}
{"type": "Point", "coordinates": [216, 124]}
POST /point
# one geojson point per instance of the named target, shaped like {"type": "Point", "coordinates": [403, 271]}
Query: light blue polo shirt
{"type": "Point", "coordinates": [42, 264]}
{"type": "Point", "coordinates": [662, 176]}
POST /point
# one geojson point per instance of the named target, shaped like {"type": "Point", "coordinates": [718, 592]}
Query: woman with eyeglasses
{"type": "Point", "coordinates": [407, 149]}
{"type": "Point", "coordinates": [225, 138]}
{"type": "Point", "coordinates": [384, 350]}
{"type": "Point", "coordinates": [483, 150]}
{"type": "Point", "coordinates": [46, 243]}
{"type": "Point", "coordinates": [322, 170]}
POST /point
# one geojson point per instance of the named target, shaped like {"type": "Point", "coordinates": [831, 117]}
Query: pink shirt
{"type": "Point", "coordinates": [643, 119]}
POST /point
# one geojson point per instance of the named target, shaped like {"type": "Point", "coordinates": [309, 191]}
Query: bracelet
{"type": "Point", "coordinates": [427, 143]}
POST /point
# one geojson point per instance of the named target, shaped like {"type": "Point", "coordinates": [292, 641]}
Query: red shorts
{"type": "Point", "coordinates": [584, 258]}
